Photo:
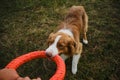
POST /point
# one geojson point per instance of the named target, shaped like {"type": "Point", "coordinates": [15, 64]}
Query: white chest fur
{"type": "Point", "coordinates": [66, 31]}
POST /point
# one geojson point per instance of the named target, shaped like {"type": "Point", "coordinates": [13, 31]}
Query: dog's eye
{"type": "Point", "coordinates": [61, 46]}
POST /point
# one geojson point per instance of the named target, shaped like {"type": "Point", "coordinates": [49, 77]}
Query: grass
{"type": "Point", "coordinates": [26, 24]}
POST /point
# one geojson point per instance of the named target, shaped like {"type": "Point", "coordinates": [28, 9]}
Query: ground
{"type": "Point", "coordinates": [26, 24]}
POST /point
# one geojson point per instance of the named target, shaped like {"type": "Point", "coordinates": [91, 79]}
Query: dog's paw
{"type": "Point", "coordinates": [85, 41]}
{"type": "Point", "coordinates": [74, 70]}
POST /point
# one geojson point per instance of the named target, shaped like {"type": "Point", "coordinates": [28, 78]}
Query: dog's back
{"type": "Point", "coordinates": [77, 21]}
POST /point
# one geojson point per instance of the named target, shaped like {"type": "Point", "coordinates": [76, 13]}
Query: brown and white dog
{"type": "Point", "coordinates": [66, 41]}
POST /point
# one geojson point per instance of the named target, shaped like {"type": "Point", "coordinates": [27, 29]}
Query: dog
{"type": "Point", "coordinates": [66, 40]}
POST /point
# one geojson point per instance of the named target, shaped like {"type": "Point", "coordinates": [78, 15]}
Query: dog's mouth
{"type": "Point", "coordinates": [60, 53]}
{"type": "Point", "coordinates": [48, 54]}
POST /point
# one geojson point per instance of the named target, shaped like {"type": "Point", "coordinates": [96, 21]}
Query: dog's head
{"type": "Point", "coordinates": [60, 43]}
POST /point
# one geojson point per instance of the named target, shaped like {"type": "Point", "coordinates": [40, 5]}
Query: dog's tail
{"type": "Point", "coordinates": [78, 12]}
{"type": "Point", "coordinates": [85, 20]}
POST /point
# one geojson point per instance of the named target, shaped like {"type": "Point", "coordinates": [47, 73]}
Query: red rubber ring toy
{"type": "Point", "coordinates": [61, 68]}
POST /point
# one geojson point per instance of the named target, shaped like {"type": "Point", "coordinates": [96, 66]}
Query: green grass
{"type": "Point", "coordinates": [26, 24]}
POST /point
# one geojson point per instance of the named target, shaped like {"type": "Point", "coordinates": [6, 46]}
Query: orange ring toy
{"type": "Point", "coordinates": [61, 69]}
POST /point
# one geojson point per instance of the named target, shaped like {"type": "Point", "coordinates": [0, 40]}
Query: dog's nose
{"type": "Point", "coordinates": [49, 54]}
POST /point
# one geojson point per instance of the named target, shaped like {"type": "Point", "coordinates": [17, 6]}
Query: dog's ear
{"type": "Point", "coordinates": [51, 34]}
{"type": "Point", "coordinates": [72, 46]}
{"type": "Point", "coordinates": [50, 38]}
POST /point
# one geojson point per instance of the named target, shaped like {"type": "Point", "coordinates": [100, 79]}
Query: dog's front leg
{"type": "Point", "coordinates": [76, 58]}
{"type": "Point", "coordinates": [75, 61]}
